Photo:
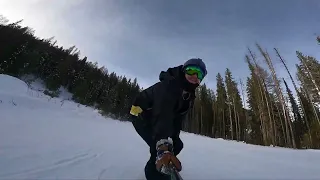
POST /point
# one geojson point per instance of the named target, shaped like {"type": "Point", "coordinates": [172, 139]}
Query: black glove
{"type": "Point", "coordinates": [165, 157]}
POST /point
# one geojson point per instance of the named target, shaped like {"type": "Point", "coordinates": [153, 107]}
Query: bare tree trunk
{"type": "Point", "coordinates": [296, 89]}
{"type": "Point", "coordinates": [310, 75]}
{"type": "Point", "coordinates": [221, 127]}
{"type": "Point", "coordinates": [287, 115]}
{"type": "Point", "coordinates": [239, 127]}
{"type": "Point", "coordinates": [274, 125]}
{"type": "Point", "coordinates": [244, 105]}
{"type": "Point", "coordinates": [214, 121]}
{"type": "Point", "coordinates": [236, 120]}
{"type": "Point", "coordinates": [224, 125]}
{"type": "Point", "coordinates": [272, 122]}
{"type": "Point", "coordinates": [263, 127]}
{"type": "Point", "coordinates": [230, 119]}
{"type": "Point", "coordinates": [282, 126]}
{"type": "Point", "coordinates": [310, 98]}
{"type": "Point", "coordinates": [288, 126]}
{"type": "Point", "coordinates": [263, 89]}
{"type": "Point", "coordinates": [312, 79]}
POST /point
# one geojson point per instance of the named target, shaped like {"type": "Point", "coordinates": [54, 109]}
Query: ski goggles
{"type": "Point", "coordinates": [191, 70]}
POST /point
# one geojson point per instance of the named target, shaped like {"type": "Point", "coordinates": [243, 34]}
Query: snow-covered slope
{"type": "Point", "coordinates": [40, 139]}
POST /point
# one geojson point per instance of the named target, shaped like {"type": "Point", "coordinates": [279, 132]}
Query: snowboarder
{"type": "Point", "coordinates": [158, 113]}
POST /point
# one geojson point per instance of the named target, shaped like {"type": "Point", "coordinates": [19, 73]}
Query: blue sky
{"type": "Point", "coordinates": [139, 38]}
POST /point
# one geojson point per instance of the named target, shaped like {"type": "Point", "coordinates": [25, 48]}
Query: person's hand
{"type": "Point", "coordinates": [165, 157]}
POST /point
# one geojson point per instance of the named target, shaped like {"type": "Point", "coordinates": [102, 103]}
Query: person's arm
{"type": "Point", "coordinates": [163, 109]}
{"type": "Point", "coordinates": [166, 75]}
{"type": "Point", "coordinates": [160, 97]}
{"type": "Point", "coordinates": [163, 102]}
{"type": "Point", "coordinates": [169, 74]}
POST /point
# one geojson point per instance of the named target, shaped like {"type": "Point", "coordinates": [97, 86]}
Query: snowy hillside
{"type": "Point", "coordinates": [41, 138]}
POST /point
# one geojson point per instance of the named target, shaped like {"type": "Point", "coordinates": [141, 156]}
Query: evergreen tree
{"type": "Point", "coordinates": [223, 124]}
{"type": "Point", "coordinates": [22, 53]}
{"type": "Point", "coordinates": [309, 76]}
{"type": "Point", "coordinates": [263, 118]}
{"type": "Point", "coordinates": [236, 113]}
{"type": "Point", "coordinates": [299, 127]}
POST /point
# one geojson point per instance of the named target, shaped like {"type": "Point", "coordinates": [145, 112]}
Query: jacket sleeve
{"type": "Point", "coordinates": [166, 75]}
{"type": "Point", "coordinates": [160, 97]}
{"type": "Point", "coordinates": [169, 74]}
{"type": "Point", "coordinates": [143, 101]}
{"type": "Point", "coordinates": [163, 109]}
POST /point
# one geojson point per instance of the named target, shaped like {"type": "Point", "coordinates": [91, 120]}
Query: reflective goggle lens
{"type": "Point", "coordinates": [191, 70]}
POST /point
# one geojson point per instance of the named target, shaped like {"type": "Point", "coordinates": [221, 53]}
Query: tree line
{"type": "Point", "coordinates": [262, 110]}
{"type": "Point", "coordinates": [22, 53]}
{"type": "Point", "coordinates": [270, 115]}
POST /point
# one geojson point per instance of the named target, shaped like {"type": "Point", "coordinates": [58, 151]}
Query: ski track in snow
{"type": "Point", "coordinates": [42, 139]}
{"type": "Point", "coordinates": [80, 158]}
{"type": "Point", "coordinates": [101, 173]}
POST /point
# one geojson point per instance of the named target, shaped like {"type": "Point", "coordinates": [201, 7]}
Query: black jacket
{"type": "Point", "coordinates": [166, 103]}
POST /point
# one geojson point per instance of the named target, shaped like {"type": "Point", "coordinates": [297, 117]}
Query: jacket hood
{"type": "Point", "coordinates": [171, 73]}
{"type": "Point", "coordinates": [178, 74]}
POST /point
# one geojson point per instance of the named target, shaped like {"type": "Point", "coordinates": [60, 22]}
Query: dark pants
{"type": "Point", "coordinates": [150, 170]}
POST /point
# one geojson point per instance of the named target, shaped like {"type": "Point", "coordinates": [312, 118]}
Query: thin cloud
{"type": "Point", "coordinates": [141, 38]}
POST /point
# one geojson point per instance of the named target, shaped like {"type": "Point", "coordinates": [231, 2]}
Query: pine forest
{"type": "Point", "coordinates": [263, 109]}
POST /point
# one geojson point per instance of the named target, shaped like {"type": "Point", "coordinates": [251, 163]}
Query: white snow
{"type": "Point", "coordinates": [9, 85]}
{"type": "Point", "coordinates": [42, 139]}
{"type": "Point", "coordinates": [38, 85]}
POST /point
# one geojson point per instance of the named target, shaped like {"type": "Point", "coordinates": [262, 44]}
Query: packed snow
{"type": "Point", "coordinates": [43, 138]}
